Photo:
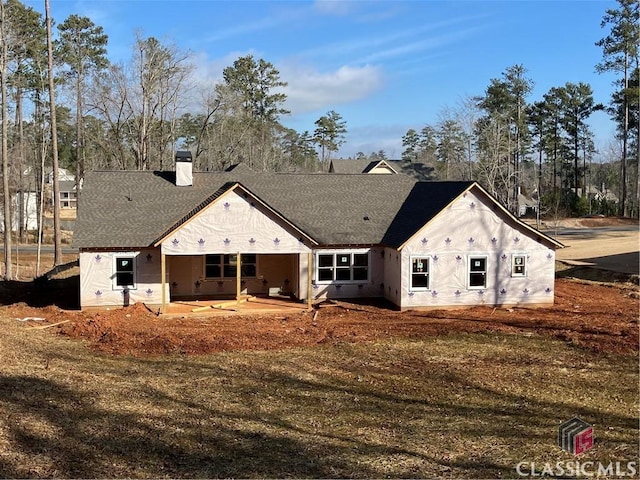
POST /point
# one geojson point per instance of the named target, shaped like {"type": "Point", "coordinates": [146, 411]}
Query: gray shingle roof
{"type": "Point", "coordinates": [131, 209]}
{"type": "Point", "coordinates": [416, 170]}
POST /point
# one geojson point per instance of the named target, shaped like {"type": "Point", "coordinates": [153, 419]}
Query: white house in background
{"type": "Point", "coordinates": [29, 203]}
{"type": "Point", "coordinates": [160, 236]}
{"type": "Point", "coordinates": [63, 176]}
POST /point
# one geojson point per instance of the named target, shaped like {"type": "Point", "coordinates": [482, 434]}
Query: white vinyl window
{"type": "Point", "coordinates": [124, 272]}
{"type": "Point", "coordinates": [342, 267]}
{"type": "Point", "coordinates": [478, 272]}
{"type": "Point", "coordinates": [419, 273]}
{"type": "Point", "coordinates": [518, 265]}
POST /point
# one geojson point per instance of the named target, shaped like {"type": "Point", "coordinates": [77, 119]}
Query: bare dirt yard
{"type": "Point", "coordinates": [594, 308]}
{"type": "Point", "coordinates": [596, 316]}
{"type": "Point", "coordinates": [343, 391]}
{"type": "Point", "coordinates": [601, 316]}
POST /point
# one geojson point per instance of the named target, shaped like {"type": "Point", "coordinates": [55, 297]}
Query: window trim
{"type": "Point", "coordinates": [525, 272]}
{"type": "Point", "coordinates": [486, 270]}
{"type": "Point", "coordinates": [411, 273]}
{"type": "Point", "coordinates": [114, 266]}
{"type": "Point", "coordinates": [334, 253]}
{"type": "Point", "coordinates": [222, 264]}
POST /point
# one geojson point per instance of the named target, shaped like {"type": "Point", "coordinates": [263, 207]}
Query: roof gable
{"type": "Point", "coordinates": [234, 220]}
{"type": "Point", "coordinates": [380, 167]}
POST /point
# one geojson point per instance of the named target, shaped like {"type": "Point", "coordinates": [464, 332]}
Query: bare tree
{"type": "Point", "coordinates": [5, 156]}
{"type": "Point", "coordinates": [160, 72]}
{"type": "Point", "coordinates": [57, 256]}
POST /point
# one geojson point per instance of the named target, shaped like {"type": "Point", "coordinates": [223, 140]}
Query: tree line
{"type": "Point", "coordinates": [544, 148]}
{"type": "Point", "coordinates": [134, 114]}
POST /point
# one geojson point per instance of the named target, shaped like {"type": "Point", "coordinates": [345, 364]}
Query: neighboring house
{"type": "Point", "coordinates": [66, 185]}
{"type": "Point", "coordinates": [68, 194]}
{"type": "Point", "coordinates": [527, 205]}
{"type": "Point", "coordinates": [63, 176]}
{"type": "Point", "coordinates": [416, 170]}
{"type": "Point", "coordinates": [27, 201]}
{"type": "Point", "coordinates": [158, 236]}
{"type": "Point", "coordinates": [599, 194]}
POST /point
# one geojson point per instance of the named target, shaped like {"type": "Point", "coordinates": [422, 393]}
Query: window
{"type": "Point", "coordinates": [212, 266]}
{"type": "Point", "coordinates": [518, 265]}
{"type": "Point", "coordinates": [125, 272]}
{"type": "Point", "coordinates": [342, 267]}
{"type": "Point", "coordinates": [68, 199]}
{"type": "Point", "coordinates": [360, 266]}
{"type": "Point", "coordinates": [477, 272]}
{"type": "Point", "coordinates": [225, 266]}
{"type": "Point", "coordinates": [419, 273]}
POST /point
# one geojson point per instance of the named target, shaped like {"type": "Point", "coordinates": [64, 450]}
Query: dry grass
{"type": "Point", "coordinates": [450, 406]}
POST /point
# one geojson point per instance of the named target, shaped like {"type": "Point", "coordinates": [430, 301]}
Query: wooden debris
{"type": "Point", "coordinates": [224, 305]}
{"type": "Point", "coordinates": [326, 305]}
{"type": "Point", "coordinates": [42, 327]}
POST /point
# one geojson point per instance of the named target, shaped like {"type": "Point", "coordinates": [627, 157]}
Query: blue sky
{"type": "Point", "coordinates": [385, 66]}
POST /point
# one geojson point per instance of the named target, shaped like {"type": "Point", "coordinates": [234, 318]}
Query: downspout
{"type": "Point", "coordinates": [163, 273]}
{"type": "Point", "coordinates": [310, 280]}
{"type": "Point", "coordinates": [238, 277]}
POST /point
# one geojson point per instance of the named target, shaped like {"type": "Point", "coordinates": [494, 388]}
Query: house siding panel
{"type": "Point", "coordinates": [471, 227]}
{"type": "Point", "coordinates": [96, 284]}
{"type": "Point", "coordinates": [233, 224]}
{"type": "Point", "coordinates": [392, 272]}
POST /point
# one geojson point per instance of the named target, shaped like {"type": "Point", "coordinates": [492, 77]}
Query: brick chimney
{"type": "Point", "coordinates": [184, 169]}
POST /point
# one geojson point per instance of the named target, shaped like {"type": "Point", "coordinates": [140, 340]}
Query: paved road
{"type": "Point", "coordinates": [615, 248]}
{"type": "Point", "coordinates": [43, 249]}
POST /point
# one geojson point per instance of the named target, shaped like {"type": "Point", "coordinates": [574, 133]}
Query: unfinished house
{"type": "Point", "coordinates": [155, 237]}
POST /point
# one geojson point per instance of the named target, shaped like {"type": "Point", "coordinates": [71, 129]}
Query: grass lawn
{"type": "Point", "coordinates": [465, 405]}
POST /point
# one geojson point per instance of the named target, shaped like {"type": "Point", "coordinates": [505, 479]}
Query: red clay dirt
{"type": "Point", "coordinates": [599, 317]}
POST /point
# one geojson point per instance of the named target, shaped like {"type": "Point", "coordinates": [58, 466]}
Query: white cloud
{"type": "Point", "coordinates": [310, 90]}
{"type": "Point", "coordinates": [333, 7]}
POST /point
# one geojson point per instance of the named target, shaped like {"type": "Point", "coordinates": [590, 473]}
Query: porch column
{"type": "Point", "coordinates": [309, 280]}
{"type": "Point", "coordinates": [238, 277]}
{"type": "Point", "coordinates": [163, 275]}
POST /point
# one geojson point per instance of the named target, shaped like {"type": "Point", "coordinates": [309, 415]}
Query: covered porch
{"type": "Point", "coordinates": [245, 305]}
{"type": "Point", "coordinates": [229, 282]}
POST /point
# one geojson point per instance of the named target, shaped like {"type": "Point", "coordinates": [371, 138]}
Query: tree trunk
{"type": "Point", "coordinates": [5, 156]}
{"type": "Point", "coordinates": [22, 162]}
{"type": "Point", "coordinates": [57, 256]}
{"type": "Point", "coordinates": [79, 136]}
{"type": "Point", "coordinates": [625, 134]}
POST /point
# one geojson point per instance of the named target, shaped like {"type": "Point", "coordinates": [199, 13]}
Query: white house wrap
{"type": "Point", "coordinates": [470, 228]}
{"type": "Point", "coordinates": [417, 244]}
